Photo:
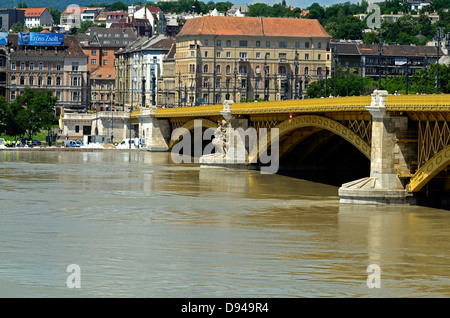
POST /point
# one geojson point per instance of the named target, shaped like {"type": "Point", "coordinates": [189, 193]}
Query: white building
{"type": "Point", "coordinates": [37, 17]}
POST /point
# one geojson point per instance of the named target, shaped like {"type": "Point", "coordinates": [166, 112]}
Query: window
{"type": "Point", "coordinates": [306, 71]}
{"type": "Point", "coordinates": [31, 80]}
{"type": "Point", "coordinates": [228, 69]}
{"type": "Point", "coordinates": [227, 83]}
{"type": "Point", "coordinates": [256, 83]}
{"type": "Point", "coordinates": [243, 43]}
{"type": "Point", "coordinates": [105, 52]}
{"type": "Point", "coordinates": [75, 81]}
{"type": "Point", "coordinates": [228, 55]}
{"type": "Point", "coordinates": [75, 96]}
{"type": "Point", "coordinates": [41, 66]}
{"type": "Point", "coordinates": [228, 43]}
{"type": "Point", "coordinates": [217, 68]}
{"type": "Point", "coordinates": [205, 68]}
{"type": "Point", "coordinates": [74, 66]}
{"type": "Point", "coordinates": [94, 52]}
{"type": "Point", "coordinates": [306, 56]}
{"type": "Point", "coordinates": [297, 45]}
{"type": "Point", "coordinates": [219, 43]}
{"type": "Point", "coordinates": [206, 53]}
{"type": "Point", "coordinates": [105, 62]}
{"type": "Point", "coordinates": [318, 56]}
{"type": "Point", "coordinates": [205, 83]}
{"type": "Point", "coordinates": [77, 129]}
{"type": "Point", "coordinates": [282, 44]}
{"type": "Point", "coordinates": [258, 43]}
{"type": "Point", "coordinates": [206, 42]}
{"type": "Point", "coordinates": [218, 54]}
{"type": "Point", "coordinates": [58, 95]}
{"type": "Point", "coordinates": [267, 43]}
{"type": "Point", "coordinates": [192, 54]}
{"type": "Point", "coordinates": [258, 55]}
{"type": "Point", "coordinates": [13, 66]}
{"type": "Point", "coordinates": [58, 67]}
{"type": "Point", "coordinates": [243, 55]}
{"type": "Point", "coordinates": [319, 45]}
{"type": "Point", "coordinates": [93, 61]}
{"type": "Point", "coordinates": [58, 81]}
{"type": "Point", "coordinates": [31, 66]}
{"type": "Point", "coordinates": [49, 80]}
{"type": "Point", "coordinates": [306, 45]}
{"type": "Point", "coordinates": [22, 80]}
{"type": "Point", "coordinates": [22, 66]}
{"type": "Point", "coordinates": [40, 80]}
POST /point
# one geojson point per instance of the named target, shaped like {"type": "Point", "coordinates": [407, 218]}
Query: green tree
{"type": "Point", "coordinates": [56, 14]}
{"type": "Point", "coordinates": [17, 27]}
{"type": "Point", "coordinates": [84, 26]}
{"type": "Point", "coordinates": [36, 29]}
{"type": "Point", "coordinates": [118, 6]}
{"type": "Point", "coordinates": [31, 111]}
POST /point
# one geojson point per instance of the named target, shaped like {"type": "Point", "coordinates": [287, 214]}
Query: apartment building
{"type": "Point", "coordinates": [101, 45]}
{"type": "Point", "coordinates": [139, 68]}
{"type": "Point", "coordinates": [242, 58]}
{"type": "Point", "coordinates": [60, 68]}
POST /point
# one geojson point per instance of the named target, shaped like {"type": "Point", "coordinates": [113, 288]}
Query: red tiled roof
{"type": "Point", "coordinates": [253, 26]}
{"type": "Point", "coordinates": [33, 12]}
{"type": "Point", "coordinates": [72, 9]}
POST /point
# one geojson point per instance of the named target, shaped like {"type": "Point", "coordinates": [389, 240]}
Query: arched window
{"type": "Point", "coordinates": [282, 70]}
{"type": "Point", "coordinates": [228, 69]}
{"type": "Point", "coordinates": [306, 71]}
{"type": "Point", "coordinates": [319, 71]}
{"type": "Point", "coordinates": [242, 69]}
{"type": "Point", "coordinates": [205, 68]}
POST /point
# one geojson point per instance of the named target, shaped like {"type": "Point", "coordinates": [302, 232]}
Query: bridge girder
{"type": "Point", "coordinates": [312, 121]}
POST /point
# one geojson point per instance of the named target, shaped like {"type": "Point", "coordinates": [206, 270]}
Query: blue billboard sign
{"type": "Point", "coordinates": [3, 38]}
{"type": "Point", "coordinates": [36, 38]}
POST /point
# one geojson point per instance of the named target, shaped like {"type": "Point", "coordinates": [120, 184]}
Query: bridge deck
{"type": "Point", "coordinates": [317, 105]}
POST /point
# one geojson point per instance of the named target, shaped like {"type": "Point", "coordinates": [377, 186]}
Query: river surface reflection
{"type": "Point", "coordinates": [138, 225]}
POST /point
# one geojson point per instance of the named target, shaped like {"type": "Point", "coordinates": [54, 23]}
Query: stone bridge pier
{"type": "Point", "coordinates": [155, 133]}
{"type": "Point", "coordinates": [388, 159]}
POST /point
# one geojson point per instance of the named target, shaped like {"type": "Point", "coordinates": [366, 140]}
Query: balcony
{"type": "Point", "coordinates": [283, 60]}
{"type": "Point", "coordinates": [243, 59]}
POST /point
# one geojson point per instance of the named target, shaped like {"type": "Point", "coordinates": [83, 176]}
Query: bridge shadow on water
{"type": "Point", "coordinates": [325, 158]}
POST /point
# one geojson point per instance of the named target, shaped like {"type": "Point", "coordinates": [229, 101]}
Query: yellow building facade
{"type": "Point", "coordinates": [246, 58]}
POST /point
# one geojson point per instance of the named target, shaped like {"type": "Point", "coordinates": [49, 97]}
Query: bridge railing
{"type": "Point", "coordinates": [418, 100]}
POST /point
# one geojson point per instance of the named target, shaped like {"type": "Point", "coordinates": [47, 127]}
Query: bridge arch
{"type": "Point", "coordinates": [311, 121]}
{"type": "Point", "coordinates": [190, 125]}
{"type": "Point", "coordinates": [430, 169]}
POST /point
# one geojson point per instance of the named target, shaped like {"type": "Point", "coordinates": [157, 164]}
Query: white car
{"type": "Point", "coordinates": [125, 144]}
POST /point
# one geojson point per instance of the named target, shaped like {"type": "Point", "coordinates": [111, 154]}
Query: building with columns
{"type": "Point", "coordinates": [138, 70]}
{"type": "Point", "coordinates": [246, 58]}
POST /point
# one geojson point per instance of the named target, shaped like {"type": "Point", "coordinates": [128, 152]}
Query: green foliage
{"type": "Point", "coordinates": [416, 83]}
{"type": "Point", "coordinates": [29, 112]}
{"type": "Point", "coordinates": [17, 27]}
{"type": "Point", "coordinates": [118, 6]}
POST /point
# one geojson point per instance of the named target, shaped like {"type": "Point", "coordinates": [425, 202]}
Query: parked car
{"type": "Point", "coordinates": [79, 143]}
{"type": "Point", "coordinates": [71, 144]}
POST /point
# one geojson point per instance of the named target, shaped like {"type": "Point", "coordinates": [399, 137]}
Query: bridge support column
{"type": "Point", "coordinates": [155, 133]}
{"type": "Point", "coordinates": [383, 186]}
